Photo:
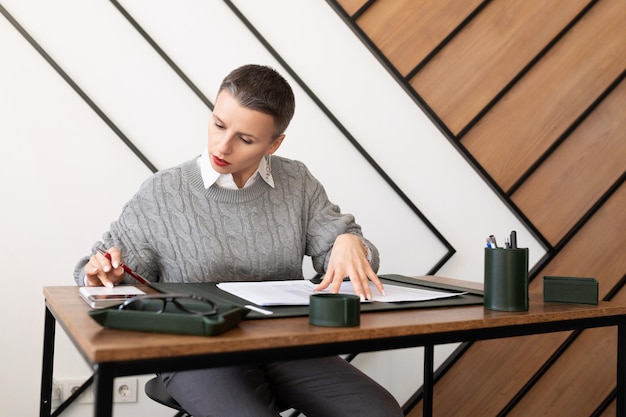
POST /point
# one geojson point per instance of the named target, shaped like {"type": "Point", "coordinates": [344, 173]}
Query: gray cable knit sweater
{"type": "Point", "coordinates": [175, 230]}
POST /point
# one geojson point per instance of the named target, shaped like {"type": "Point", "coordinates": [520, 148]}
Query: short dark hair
{"type": "Point", "coordinates": [263, 89]}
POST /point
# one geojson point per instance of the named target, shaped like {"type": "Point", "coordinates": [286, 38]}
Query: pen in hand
{"type": "Point", "coordinates": [128, 270]}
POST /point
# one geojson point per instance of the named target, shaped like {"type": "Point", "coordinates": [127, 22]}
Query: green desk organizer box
{"type": "Point", "coordinates": [570, 290]}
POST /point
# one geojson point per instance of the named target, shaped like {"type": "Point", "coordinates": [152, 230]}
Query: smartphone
{"type": "Point", "coordinates": [117, 297]}
{"type": "Point", "coordinates": [101, 297]}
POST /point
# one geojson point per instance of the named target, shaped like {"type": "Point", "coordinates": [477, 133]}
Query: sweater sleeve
{"type": "Point", "coordinates": [131, 236]}
{"type": "Point", "coordinates": [325, 223]}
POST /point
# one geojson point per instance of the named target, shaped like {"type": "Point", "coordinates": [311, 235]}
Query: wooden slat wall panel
{"type": "Point", "coordinates": [351, 6]}
{"type": "Point", "coordinates": [406, 32]}
{"type": "Point", "coordinates": [555, 191]}
{"type": "Point", "coordinates": [470, 71]}
{"type": "Point", "coordinates": [597, 250]}
{"type": "Point", "coordinates": [517, 131]}
{"type": "Point", "coordinates": [490, 373]}
{"type": "Point", "coordinates": [568, 183]}
{"type": "Point", "coordinates": [595, 353]}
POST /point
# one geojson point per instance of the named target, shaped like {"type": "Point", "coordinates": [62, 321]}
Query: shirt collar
{"type": "Point", "coordinates": [210, 176]}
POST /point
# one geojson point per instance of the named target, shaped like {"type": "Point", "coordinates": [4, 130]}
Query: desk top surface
{"type": "Point", "coordinates": [98, 344]}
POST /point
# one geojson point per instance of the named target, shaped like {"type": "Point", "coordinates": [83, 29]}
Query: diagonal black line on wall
{"type": "Point", "coordinates": [162, 54]}
{"type": "Point", "coordinates": [524, 71]}
{"type": "Point", "coordinates": [446, 40]}
{"type": "Point", "coordinates": [363, 8]}
{"type": "Point", "coordinates": [563, 137]}
{"type": "Point", "coordinates": [77, 89]}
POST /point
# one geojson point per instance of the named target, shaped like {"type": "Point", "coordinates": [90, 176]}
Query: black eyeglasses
{"type": "Point", "coordinates": [159, 303]}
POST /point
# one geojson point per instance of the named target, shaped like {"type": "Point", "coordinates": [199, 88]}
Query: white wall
{"type": "Point", "coordinates": [65, 174]}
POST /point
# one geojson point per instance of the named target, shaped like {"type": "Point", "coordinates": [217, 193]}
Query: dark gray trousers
{"type": "Point", "coordinates": [320, 387]}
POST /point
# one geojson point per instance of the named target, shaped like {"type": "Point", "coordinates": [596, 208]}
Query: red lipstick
{"type": "Point", "coordinates": [220, 162]}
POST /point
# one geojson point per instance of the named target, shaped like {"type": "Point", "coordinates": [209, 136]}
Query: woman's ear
{"type": "Point", "coordinates": [276, 144]}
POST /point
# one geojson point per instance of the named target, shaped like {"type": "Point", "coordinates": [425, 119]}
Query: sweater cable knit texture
{"type": "Point", "coordinates": [176, 230]}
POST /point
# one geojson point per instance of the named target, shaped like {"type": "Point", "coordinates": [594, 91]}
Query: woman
{"type": "Point", "coordinates": [238, 213]}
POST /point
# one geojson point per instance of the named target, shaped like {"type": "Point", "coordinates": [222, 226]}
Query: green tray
{"type": "Point", "coordinates": [228, 317]}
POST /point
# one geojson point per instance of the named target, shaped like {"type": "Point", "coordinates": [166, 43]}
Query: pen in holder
{"type": "Point", "coordinates": [506, 279]}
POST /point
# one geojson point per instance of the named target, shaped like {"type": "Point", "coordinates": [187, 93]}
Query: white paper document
{"type": "Point", "coordinates": [297, 292]}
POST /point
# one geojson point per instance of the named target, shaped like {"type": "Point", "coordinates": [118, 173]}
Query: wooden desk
{"type": "Point", "coordinates": [113, 353]}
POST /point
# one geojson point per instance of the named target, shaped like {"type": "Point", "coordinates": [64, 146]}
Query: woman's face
{"type": "Point", "coordinates": [239, 138]}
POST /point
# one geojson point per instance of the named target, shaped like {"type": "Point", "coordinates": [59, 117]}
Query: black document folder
{"type": "Point", "coordinates": [211, 291]}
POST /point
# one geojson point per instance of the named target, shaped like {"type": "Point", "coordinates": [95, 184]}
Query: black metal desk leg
{"type": "Point", "coordinates": [621, 370]}
{"type": "Point", "coordinates": [103, 392]}
{"type": "Point", "coordinates": [45, 407]}
{"type": "Point", "coordinates": [429, 360]}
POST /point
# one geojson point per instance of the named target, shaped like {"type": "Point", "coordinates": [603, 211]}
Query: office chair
{"type": "Point", "coordinates": [156, 391]}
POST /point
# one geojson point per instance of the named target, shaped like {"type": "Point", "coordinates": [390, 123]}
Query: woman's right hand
{"type": "Point", "coordinates": [101, 271]}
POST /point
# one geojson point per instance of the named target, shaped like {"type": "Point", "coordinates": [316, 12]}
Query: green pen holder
{"type": "Point", "coordinates": [506, 279]}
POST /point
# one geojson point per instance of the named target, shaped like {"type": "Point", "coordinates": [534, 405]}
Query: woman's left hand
{"type": "Point", "coordinates": [348, 258]}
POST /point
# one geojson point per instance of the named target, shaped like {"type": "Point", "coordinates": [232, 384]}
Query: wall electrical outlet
{"type": "Point", "coordinates": [71, 385]}
{"type": "Point", "coordinates": [125, 390]}
{"type": "Point", "coordinates": [57, 394]}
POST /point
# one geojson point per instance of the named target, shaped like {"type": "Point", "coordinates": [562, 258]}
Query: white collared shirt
{"type": "Point", "coordinates": [210, 176]}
